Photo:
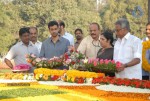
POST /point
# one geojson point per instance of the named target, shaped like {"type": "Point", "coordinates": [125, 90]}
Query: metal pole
{"type": "Point", "coordinates": [148, 10]}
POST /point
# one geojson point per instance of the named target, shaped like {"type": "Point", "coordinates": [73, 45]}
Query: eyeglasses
{"type": "Point", "coordinates": [117, 30]}
{"type": "Point", "coordinates": [95, 44]}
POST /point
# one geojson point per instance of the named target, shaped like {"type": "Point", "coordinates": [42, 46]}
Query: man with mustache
{"type": "Point", "coordinates": [146, 74]}
{"type": "Point", "coordinates": [90, 44]}
{"type": "Point", "coordinates": [54, 45]}
{"type": "Point", "coordinates": [34, 37]}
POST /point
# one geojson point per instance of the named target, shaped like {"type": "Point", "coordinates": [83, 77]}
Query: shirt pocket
{"type": "Point", "coordinates": [128, 52]}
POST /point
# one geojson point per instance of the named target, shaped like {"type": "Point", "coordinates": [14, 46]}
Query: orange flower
{"type": "Point", "coordinates": [45, 77]}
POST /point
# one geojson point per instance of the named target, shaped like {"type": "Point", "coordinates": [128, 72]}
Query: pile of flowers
{"type": "Point", "coordinates": [17, 76]}
{"type": "Point", "coordinates": [43, 62]}
{"type": "Point", "coordinates": [125, 82]}
{"type": "Point", "coordinates": [97, 65]}
{"type": "Point", "coordinates": [75, 76]}
{"type": "Point", "coordinates": [44, 74]}
{"type": "Point", "coordinates": [73, 59]}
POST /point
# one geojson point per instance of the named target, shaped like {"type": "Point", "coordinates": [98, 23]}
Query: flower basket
{"type": "Point", "coordinates": [74, 60]}
{"type": "Point", "coordinates": [54, 62]}
{"type": "Point", "coordinates": [104, 66]}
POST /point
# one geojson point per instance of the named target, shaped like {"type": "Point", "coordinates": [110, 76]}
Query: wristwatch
{"type": "Point", "coordinates": [126, 65]}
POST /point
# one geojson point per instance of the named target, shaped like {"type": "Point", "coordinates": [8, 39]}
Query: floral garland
{"type": "Point", "coordinates": [44, 74]}
{"type": "Point", "coordinates": [145, 64]}
{"type": "Point", "coordinates": [73, 76]}
{"type": "Point", "coordinates": [125, 82]}
{"type": "Point", "coordinates": [17, 76]}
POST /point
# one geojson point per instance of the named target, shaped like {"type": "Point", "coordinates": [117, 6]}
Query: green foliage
{"type": "Point", "coordinates": [25, 92]}
{"type": "Point", "coordinates": [75, 13]}
{"type": "Point", "coordinates": [115, 9]}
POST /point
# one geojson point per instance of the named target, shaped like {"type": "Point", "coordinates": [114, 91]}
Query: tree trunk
{"type": "Point", "coordinates": [149, 10]}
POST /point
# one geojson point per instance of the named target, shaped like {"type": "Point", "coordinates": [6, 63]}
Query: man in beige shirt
{"type": "Point", "coordinates": [90, 45]}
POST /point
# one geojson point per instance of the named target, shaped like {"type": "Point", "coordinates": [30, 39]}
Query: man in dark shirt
{"type": "Point", "coordinates": [79, 36]}
{"type": "Point", "coordinates": [54, 45]}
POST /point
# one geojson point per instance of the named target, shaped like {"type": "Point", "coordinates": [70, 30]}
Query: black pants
{"type": "Point", "coordinates": [145, 77]}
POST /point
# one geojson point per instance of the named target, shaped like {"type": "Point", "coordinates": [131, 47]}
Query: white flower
{"type": "Point", "coordinates": [41, 75]}
{"type": "Point", "coordinates": [32, 55]}
{"type": "Point", "coordinates": [44, 59]}
{"type": "Point", "coordinates": [85, 60]}
{"type": "Point", "coordinates": [25, 77]}
{"type": "Point", "coordinates": [30, 78]}
{"type": "Point", "coordinates": [89, 80]}
{"type": "Point", "coordinates": [68, 61]}
{"type": "Point", "coordinates": [37, 59]}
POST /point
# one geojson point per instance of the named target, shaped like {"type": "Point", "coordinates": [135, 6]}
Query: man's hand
{"type": "Point", "coordinates": [121, 68]}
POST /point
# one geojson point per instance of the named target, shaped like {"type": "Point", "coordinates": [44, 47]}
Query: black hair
{"type": "Point", "coordinates": [96, 24]}
{"type": "Point", "coordinates": [52, 23]}
{"type": "Point", "coordinates": [78, 29]}
{"type": "Point", "coordinates": [61, 23]}
{"type": "Point", "coordinates": [109, 36]}
{"type": "Point", "coordinates": [23, 31]}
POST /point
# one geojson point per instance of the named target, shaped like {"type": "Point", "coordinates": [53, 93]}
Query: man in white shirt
{"type": "Point", "coordinates": [19, 50]}
{"type": "Point", "coordinates": [127, 50]}
{"type": "Point", "coordinates": [90, 45]}
{"type": "Point", "coordinates": [65, 34]}
{"type": "Point", "coordinates": [34, 37]}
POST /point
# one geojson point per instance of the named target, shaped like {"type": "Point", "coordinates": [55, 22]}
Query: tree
{"type": "Point", "coordinates": [75, 14]}
{"type": "Point", "coordinates": [115, 9]}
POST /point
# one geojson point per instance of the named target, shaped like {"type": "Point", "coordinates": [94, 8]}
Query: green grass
{"type": "Point", "coordinates": [25, 92]}
{"type": "Point", "coordinates": [5, 71]}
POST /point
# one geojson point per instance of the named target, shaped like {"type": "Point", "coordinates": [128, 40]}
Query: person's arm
{"type": "Point", "coordinates": [135, 61]}
{"type": "Point", "coordinates": [42, 52]}
{"type": "Point", "coordinates": [8, 63]}
{"type": "Point", "coordinates": [72, 43]}
{"type": "Point", "coordinates": [10, 55]}
{"type": "Point", "coordinates": [137, 52]}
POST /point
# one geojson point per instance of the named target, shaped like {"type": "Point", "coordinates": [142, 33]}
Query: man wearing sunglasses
{"type": "Point", "coordinates": [128, 51]}
{"type": "Point", "coordinates": [90, 45]}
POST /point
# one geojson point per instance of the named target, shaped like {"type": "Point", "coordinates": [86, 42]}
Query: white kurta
{"type": "Point", "coordinates": [126, 50]}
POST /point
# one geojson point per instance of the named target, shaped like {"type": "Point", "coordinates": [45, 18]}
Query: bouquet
{"type": "Point", "coordinates": [106, 66]}
{"type": "Point", "coordinates": [43, 62]}
{"type": "Point", "coordinates": [73, 59]}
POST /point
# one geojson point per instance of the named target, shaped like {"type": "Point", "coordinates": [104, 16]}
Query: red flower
{"type": "Point", "coordinates": [66, 56]}
{"type": "Point", "coordinates": [72, 62]}
{"type": "Point", "coordinates": [80, 80]}
{"type": "Point", "coordinates": [118, 64]}
{"type": "Point", "coordinates": [55, 77]}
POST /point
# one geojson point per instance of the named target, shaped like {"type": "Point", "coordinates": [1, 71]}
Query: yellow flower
{"type": "Point", "coordinates": [145, 64]}
{"type": "Point", "coordinates": [37, 76]}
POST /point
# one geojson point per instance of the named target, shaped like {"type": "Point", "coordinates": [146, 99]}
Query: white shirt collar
{"type": "Point", "coordinates": [127, 36]}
